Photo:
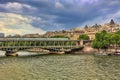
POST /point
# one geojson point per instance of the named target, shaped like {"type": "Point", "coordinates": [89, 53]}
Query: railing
{"type": "Point", "coordinates": [33, 39]}
{"type": "Point", "coordinates": [37, 46]}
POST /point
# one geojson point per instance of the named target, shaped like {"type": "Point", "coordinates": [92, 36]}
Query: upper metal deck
{"type": "Point", "coordinates": [34, 39]}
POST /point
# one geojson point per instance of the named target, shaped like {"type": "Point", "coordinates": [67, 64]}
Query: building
{"type": "Point", "coordinates": [32, 35]}
{"type": "Point", "coordinates": [74, 33]}
{"type": "Point", "coordinates": [2, 35]}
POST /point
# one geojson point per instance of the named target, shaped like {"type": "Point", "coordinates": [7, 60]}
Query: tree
{"type": "Point", "coordinates": [83, 37]}
{"type": "Point", "coordinates": [96, 44]}
{"type": "Point", "coordinates": [101, 41]}
{"type": "Point", "coordinates": [118, 32]}
{"type": "Point", "coordinates": [115, 40]}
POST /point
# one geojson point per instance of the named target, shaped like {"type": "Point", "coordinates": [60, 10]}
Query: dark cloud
{"type": "Point", "coordinates": [5, 1]}
{"type": "Point", "coordinates": [65, 13]}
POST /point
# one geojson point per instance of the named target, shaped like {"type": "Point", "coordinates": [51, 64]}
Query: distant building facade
{"type": "Point", "coordinates": [74, 33]}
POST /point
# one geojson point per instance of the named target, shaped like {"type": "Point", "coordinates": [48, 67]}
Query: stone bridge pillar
{"type": "Point", "coordinates": [81, 42]}
{"type": "Point", "coordinates": [78, 43]}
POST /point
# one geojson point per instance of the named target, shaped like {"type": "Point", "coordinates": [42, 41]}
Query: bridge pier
{"type": "Point", "coordinates": [11, 53]}
{"type": "Point", "coordinates": [79, 43]}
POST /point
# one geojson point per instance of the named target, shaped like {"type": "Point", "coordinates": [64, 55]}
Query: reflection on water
{"type": "Point", "coordinates": [59, 67]}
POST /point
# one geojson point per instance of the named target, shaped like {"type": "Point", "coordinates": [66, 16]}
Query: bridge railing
{"type": "Point", "coordinates": [38, 43]}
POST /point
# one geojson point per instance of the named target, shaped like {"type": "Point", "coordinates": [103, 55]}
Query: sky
{"type": "Point", "coordinates": [40, 16]}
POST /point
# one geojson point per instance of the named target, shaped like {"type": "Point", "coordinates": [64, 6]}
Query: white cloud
{"type": "Point", "coordinates": [89, 1]}
{"type": "Point", "coordinates": [17, 24]}
{"type": "Point", "coordinates": [59, 5]}
{"type": "Point", "coordinates": [15, 6]}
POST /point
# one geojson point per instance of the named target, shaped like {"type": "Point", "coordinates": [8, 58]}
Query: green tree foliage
{"type": "Point", "coordinates": [118, 32]}
{"type": "Point", "coordinates": [83, 37]}
{"type": "Point", "coordinates": [115, 39]}
{"type": "Point", "coordinates": [101, 41]}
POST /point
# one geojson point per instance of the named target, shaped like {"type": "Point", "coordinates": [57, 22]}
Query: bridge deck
{"type": "Point", "coordinates": [35, 39]}
{"type": "Point", "coordinates": [36, 46]}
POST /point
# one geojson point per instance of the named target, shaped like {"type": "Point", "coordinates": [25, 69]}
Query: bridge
{"type": "Point", "coordinates": [12, 45]}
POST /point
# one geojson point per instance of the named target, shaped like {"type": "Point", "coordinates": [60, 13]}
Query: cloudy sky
{"type": "Point", "coordinates": [39, 16]}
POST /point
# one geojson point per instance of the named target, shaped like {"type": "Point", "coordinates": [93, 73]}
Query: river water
{"type": "Point", "coordinates": [37, 66]}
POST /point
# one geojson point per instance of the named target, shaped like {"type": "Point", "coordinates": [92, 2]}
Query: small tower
{"type": "Point", "coordinates": [112, 25]}
{"type": "Point", "coordinates": [86, 27]}
{"type": "Point", "coordinates": [112, 22]}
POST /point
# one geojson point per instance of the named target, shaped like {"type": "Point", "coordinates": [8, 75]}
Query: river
{"type": "Point", "coordinates": [37, 66]}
